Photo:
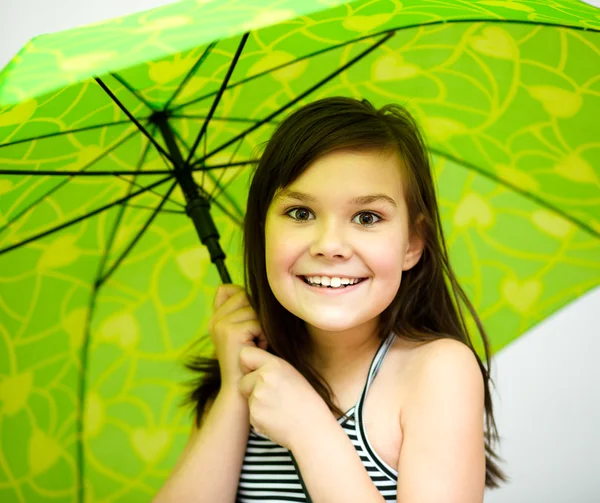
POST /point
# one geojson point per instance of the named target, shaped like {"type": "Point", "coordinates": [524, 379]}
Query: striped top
{"type": "Point", "coordinates": [270, 474]}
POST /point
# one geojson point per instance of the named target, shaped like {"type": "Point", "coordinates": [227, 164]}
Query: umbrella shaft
{"type": "Point", "coordinates": [198, 206]}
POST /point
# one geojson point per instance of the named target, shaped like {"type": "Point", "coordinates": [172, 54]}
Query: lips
{"type": "Point", "coordinates": [329, 290]}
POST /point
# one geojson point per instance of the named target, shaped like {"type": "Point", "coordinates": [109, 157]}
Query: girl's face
{"type": "Point", "coordinates": [318, 230]}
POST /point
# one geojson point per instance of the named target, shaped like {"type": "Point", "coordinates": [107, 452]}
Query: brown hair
{"type": "Point", "coordinates": [426, 306]}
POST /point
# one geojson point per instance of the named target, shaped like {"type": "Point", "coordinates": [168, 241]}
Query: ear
{"type": "Point", "coordinates": [415, 246]}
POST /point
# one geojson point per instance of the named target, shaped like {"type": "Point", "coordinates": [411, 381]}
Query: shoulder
{"type": "Point", "coordinates": [445, 352]}
{"type": "Point", "coordinates": [442, 419]}
{"type": "Point", "coordinates": [445, 368]}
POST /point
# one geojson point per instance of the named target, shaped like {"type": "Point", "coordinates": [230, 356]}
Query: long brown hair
{"type": "Point", "coordinates": [427, 305]}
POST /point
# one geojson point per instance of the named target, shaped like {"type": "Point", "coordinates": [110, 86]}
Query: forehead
{"type": "Point", "coordinates": [352, 173]}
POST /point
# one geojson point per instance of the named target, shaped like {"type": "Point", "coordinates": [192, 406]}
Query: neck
{"type": "Point", "coordinates": [333, 353]}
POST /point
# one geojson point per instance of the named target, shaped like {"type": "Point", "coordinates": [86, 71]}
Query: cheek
{"type": "Point", "coordinates": [386, 257]}
{"type": "Point", "coordinates": [280, 259]}
{"type": "Point", "coordinates": [280, 252]}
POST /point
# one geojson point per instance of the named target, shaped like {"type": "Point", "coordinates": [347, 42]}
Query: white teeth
{"type": "Point", "coordinates": [335, 282]}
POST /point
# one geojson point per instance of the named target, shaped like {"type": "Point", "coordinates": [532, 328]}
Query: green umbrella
{"type": "Point", "coordinates": [107, 132]}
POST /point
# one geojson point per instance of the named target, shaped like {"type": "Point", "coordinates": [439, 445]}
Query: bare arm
{"type": "Point", "coordinates": [331, 468]}
{"type": "Point", "coordinates": [210, 465]}
{"type": "Point", "coordinates": [443, 453]}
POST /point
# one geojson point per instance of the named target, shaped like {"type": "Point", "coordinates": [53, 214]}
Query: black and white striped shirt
{"type": "Point", "coordinates": [269, 474]}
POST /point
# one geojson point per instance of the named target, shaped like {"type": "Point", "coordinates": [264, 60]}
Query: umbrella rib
{"type": "Point", "coordinates": [120, 214]}
{"type": "Point", "coordinates": [141, 207]}
{"type": "Point", "coordinates": [83, 217]}
{"type": "Point", "coordinates": [190, 74]}
{"type": "Point", "coordinates": [126, 85]}
{"type": "Point", "coordinates": [71, 131]}
{"type": "Point", "coordinates": [371, 35]}
{"type": "Point", "coordinates": [214, 118]}
{"type": "Point", "coordinates": [118, 173]}
{"type": "Point", "coordinates": [231, 201]}
{"type": "Point", "coordinates": [197, 166]}
{"type": "Point", "coordinates": [33, 172]}
{"type": "Point", "coordinates": [135, 184]}
{"type": "Point", "coordinates": [204, 150]}
{"type": "Point", "coordinates": [218, 185]}
{"type": "Point", "coordinates": [81, 392]}
{"type": "Point", "coordinates": [62, 184]}
{"type": "Point", "coordinates": [279, 67]}
{"type": "Point", "coordinates": [217, 99]}
{"type": "Point", "coordinates": [525, 194]}
{"type": "Point", "coordinates": [301, 96]}
{"type": "Point", "coordinates": [233, 218]}
{"type": "Point", "coordinates": [138, 236]}
{"type": "Point", "coordinates": [132, 118]}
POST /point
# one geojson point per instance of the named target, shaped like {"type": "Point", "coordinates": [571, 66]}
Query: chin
{"type": "Point", "coordinates": [330, 323]}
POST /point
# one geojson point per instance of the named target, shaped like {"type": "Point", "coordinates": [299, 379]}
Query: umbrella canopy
{"type": "Point", "coordinates": [107, 133]}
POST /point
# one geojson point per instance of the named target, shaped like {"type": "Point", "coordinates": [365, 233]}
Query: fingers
{"type": "Point", "coordinates": [224, 292]}
{"type": "Point", "coordinates": [238, 315]}
{"type": "Point", "coordinates": [246, 385]}
{"type": "Point", "coordinates": [251, 330]}
{"type": "Point", "coordinates": [247, 332]}
{"type": "Point", "coordinates": [241, 320]}
{"type": "Point", "coordinates": [232, 306]}
{"type": "Point", "coordinates": [237, 300]}
{"type": "Point", "coordinates": [252, 358]}
{"type": "Point", "coordinates": [228, 299]}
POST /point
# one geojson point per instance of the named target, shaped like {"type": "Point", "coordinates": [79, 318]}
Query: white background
{"type": "Point", "coordinates": [547, 402]}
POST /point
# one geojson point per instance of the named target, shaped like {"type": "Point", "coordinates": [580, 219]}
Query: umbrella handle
{"type": "Point", "coordinates": [198, 211]}
{"type": "Point", "coordinates": [220, 263]}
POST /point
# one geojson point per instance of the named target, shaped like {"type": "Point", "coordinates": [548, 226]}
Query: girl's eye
{"type": "Point", "coordinates": [369, 221]}
{"type": "Point", "coordinates": [300, 211]}
{"type": "Point", "coordinates": [302, 216]}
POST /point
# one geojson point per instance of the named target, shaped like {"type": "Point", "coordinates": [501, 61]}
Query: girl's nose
{"type": "Point", "coordinates": [330, 241]}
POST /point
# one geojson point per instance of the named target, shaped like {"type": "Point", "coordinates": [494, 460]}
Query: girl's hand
{"type": "Point", "coordinates": [283, 405]}
{"type": "Point", "coordinates": [233, 326]}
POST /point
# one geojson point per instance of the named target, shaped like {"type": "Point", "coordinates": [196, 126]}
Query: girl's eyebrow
{"type": "Point", "coordinates": [355, 201]}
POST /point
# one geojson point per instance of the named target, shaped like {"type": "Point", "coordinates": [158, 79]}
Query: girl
{"type": "Point", "coordinates": [345, 373]}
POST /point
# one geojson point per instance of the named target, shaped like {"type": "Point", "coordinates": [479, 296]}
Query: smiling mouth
{"type": "Point", "coordinates": [341, 287]}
